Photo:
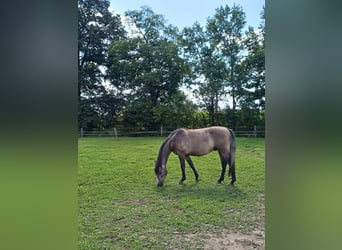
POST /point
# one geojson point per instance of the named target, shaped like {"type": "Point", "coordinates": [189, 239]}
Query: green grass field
{"type": "Point", "coordinates": [120, 206]}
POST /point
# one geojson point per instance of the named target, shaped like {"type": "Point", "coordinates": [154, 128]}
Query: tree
{"type": "Point", "coordinates": [177, 112]}
{"type": "Point", "coordinates": [225, 30]}
{"type": "Point", "coordinates": [97, 28]}
{"type": "Point", "coordinates": [251, 78]}
{"type": "Point", "coordinates": [207, 69]}
{"type": "Point", "coordinates": [214, 54]}
{"type": "Point", "coordinates": [146, 67]}
{"type": "Point", "coordinates": [254, 67]}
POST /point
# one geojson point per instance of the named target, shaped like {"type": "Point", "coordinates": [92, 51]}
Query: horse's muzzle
{"type": "Point", "coordinates": [159, 184]}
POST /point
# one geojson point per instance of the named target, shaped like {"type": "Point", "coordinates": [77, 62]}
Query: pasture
{"type": "Point", "coordinates": [120, 206]}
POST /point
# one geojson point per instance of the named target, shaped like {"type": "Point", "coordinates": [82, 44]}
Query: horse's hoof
{"type": "Point", "coordinates": [180, 182]}
{"type": "Point", "coordinates": [219, 182]}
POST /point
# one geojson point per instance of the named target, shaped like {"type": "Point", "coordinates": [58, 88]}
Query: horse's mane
{"type": "Point", "coordinates": [158, 162]}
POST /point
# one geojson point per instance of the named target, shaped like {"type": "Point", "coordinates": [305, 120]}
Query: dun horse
{"type": "Point", "coordinates": [197, 142]}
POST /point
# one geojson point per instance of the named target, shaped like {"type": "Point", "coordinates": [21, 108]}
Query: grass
{"type": "Point", "coordinates": [120, 206]}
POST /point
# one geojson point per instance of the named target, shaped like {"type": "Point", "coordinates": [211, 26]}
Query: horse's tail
{"type": "Point", "coordinates": [232, 153]}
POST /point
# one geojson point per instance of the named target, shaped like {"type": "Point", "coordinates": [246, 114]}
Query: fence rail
{"type": "Point", "coordinates": [163, 133]}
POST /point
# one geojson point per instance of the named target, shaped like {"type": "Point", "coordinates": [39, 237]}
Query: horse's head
{"type": "Point", "coordinates": [161, 173]}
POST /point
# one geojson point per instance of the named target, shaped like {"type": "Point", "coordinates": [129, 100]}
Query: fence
{"type": "Point", "coordinates": [114, 132]}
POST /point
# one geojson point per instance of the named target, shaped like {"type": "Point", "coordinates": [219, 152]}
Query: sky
{"type": "Point", "coordinates": [183, 13]}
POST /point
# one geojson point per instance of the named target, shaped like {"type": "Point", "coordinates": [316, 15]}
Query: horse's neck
{"type": "Point", "coordinates": [165, 153]}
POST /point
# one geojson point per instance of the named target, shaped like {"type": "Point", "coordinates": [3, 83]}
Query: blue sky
{"type": "Point", "coordinates": [183, 13]}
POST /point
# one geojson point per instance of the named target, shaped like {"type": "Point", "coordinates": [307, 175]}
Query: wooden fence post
{"type": "Point", "coordinates": [161, 131]}
{"type": "Point", "coordinates": [115, 133]}
{"type": "Point", "coordinates": [255, 131]}
{"type": "Point", "coordinates": [82, 132]}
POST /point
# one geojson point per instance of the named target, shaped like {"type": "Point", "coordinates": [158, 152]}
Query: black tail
{"type": "Point", "coordinates": [232, 153]}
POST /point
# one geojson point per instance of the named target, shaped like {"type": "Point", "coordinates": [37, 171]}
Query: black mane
{"type": "Point", "coordinates": [158, 162]}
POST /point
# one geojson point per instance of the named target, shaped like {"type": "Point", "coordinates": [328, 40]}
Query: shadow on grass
{"type": "Point", "coordinates": [216, 192]}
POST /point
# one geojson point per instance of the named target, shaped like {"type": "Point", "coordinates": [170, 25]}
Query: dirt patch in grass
{"type": "Point", "coordinates": [234, 240]}
{"type": "Point", "coordinates": [227, 239]}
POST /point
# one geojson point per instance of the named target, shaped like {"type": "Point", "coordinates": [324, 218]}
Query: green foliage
{"type": "Point", "coordinates": [214, 52]}
{"type": "Point", "coordinates": [178, 112]}
{"type": "Point", "coordinates": [97, 28]}
{"type": "Point", "coordinates": [145, 71]}
{"type": "Point", "coordinates": [120, 206]}
{"type": "Point", "coordinates": [225, 31]}
{"type": "Point", "coordinates": [253, 92]}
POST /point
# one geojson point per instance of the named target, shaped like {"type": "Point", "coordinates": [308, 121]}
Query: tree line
{"type": "Point", "coordinates": [139, 74]}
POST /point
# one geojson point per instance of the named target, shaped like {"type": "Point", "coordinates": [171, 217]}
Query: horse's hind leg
{"type": "Point", "coordinates": [182, 164]}
{"type": "Point", "coordinates": [224, 165]}
{"type": "Point", "coordinates": [188, 159]}
{"type": "Point", "coordinates": [232, 169]}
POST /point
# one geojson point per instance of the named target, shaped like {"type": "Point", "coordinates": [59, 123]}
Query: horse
{"type": "Point", "coordinates": [197, 142]}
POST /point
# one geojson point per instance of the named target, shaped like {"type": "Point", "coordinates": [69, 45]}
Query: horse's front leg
{"type": "Point", "coordinates": [182, 165]}
{"type": "Point", "coordinates": [188, 159]}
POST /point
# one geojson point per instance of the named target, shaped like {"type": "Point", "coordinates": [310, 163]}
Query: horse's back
{"type": "Point", "coordinates": [200, 141]}
{"type": "Point", "coordinates": [220, 135]}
